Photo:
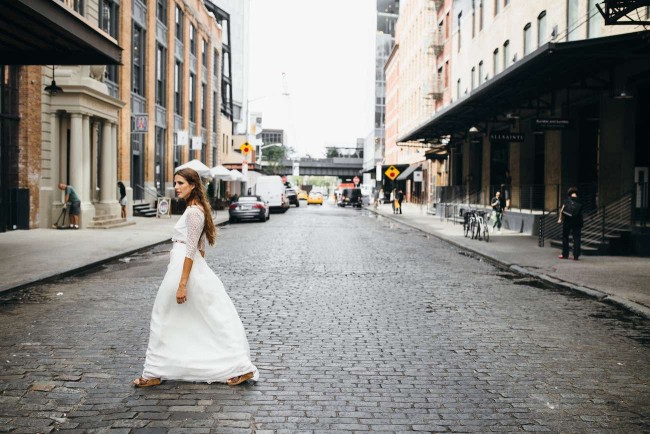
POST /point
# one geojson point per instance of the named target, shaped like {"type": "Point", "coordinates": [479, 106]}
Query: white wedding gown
{"type": "Point", "coordinates": [202, 339]}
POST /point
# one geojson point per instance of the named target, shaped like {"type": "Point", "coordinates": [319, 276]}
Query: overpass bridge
{"type": "Point", "coordinates": [340, 167]}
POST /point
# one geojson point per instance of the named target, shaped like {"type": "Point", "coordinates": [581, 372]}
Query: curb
{"type": "Point", "coordinates": [72, 272]}
{"type": "Point", "coordinates": [601, 296]}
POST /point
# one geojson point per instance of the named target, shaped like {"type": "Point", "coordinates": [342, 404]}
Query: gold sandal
{"type": "Point", "coordinates": [146, 382]}
{"type": "Point", "coordinates": [234, 381]}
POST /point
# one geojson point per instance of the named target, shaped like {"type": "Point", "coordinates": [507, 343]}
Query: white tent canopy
{"type": "Point", "coordinates": [236, 175]}
{"type": "Point", "coordinates": [200, 168]}
{"type": "Point", "coordinates": [220, 172]}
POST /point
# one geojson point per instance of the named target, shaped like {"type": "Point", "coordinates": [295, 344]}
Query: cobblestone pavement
{"type": "Point", "coordinates": [356, 324]}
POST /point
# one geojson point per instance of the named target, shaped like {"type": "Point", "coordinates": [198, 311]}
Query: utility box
{"type": "Point", "coordinates": [18, 207]}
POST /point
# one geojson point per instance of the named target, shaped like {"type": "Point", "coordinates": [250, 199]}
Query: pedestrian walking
{"type": "Point", "coordinates": [400, 199]}
{"type": "Point", "coordinates": [71, 200]}
{"type": "Point", "coordinates": [572, 221]}
{"type": "Point", "coordinates": [195, 333]}
{"type": "Point", "coordinates": [122, 189]}
{"type": "Point", "coordinates": [382, 198]}
{"type": "Point", "coordinates": [497, 210]}
{"type": "Point", "coordinates": [392, 200]}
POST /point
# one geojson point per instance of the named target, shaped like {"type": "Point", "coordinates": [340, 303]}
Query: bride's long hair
{"type": "Point", "coordinates": [197, 196]}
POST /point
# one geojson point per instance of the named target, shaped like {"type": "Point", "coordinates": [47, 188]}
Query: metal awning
{"type": "Point", "coordinates": [46, 32]}
{"type": "Point", "coordinates": [409, 170]}
{"type": "Point", "coordinates": [552, 66]}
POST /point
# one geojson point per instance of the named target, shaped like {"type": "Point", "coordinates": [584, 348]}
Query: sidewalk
{"type": "Point", "coordinates": [35, 255]}
{"type": "Point", "coordinates": [621, 280]}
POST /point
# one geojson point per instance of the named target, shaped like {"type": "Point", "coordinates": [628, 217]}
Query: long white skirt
{"type": "Point", "coordinates": [202, 339]}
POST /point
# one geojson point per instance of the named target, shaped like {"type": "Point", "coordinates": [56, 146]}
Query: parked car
{"type": "Point", "coordinates": [315, 199]}
{"type": "Point", "coordinates": [351, 197]}
{"type": "Point", "coordinates": [293, 197]}
{"type": "Point", "coordinates": [248, 208]}
{"type": "Point", "coordinates": [272, 191]}
{"type": "Point", "coordinates": [303, 195]}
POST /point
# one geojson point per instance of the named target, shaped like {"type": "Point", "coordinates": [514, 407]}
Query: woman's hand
{"type": "Point", "coordinates": [181, 294]}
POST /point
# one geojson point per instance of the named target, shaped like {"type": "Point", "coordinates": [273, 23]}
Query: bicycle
{"type": "Point", "coordinates": [482, 231]}
{"type": "Point", "coordinates": [469, 221]}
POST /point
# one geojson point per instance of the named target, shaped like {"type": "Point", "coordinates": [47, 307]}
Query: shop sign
{"type": "Point", "coordinates": [417, 176]}
{"type": "Point", "coordinates": [139, 123]}
{"type": "Point", "coordinates": [552, 124]}
{"type": "Point", "coordinates": [507, 137]}
{"type": "Point", "coordinates": [164, 207]}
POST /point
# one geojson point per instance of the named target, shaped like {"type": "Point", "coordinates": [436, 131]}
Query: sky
{"type": "Point", "coordinates": [326, 49]}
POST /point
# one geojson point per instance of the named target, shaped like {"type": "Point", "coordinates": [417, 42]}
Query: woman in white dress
{"type": "Point", "coordinates": [196, 333]}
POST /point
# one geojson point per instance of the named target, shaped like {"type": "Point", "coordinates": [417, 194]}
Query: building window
{"type": "Point", "coordinates": [178, 88]}
{"type": "Point", "coordinates": [179, 24]}
{"type": "Point", "coordinates": [109, 18]}
{"type": "Point", "coordinates": [161, 79]}
{"type": "Point", "coordinates": [495, 62]}
{"type": "Point", "coordinates": [473, 18]}
{"type": "Point", "coordinates": [572, 20]}
{"type": "Point", "coordinates": [541, 29]}
{"type": "Point", "coordinates": [497, 7]}
{"type": "Point", "coordinates": [480, 15]}
{"type": "Point", "coordinates": [192, 39]}
{"type": "Point", "coordinates": [506, 3]}
{"type": "Point", "coordinates": [458, 89]}
{"type": "Point", "coordinates": [215, 63]}
{"type": "Point", "coordinates": [161, 11]}
{"type": "Point", "coordinates": [460, 15]}
{"type": "Point", "coordinates": [204, 96]}
{"type": "Point", "coordinates": [138, 44]}
{"type": "Point", "coordinates": [192, 98]}
{"type": "Point", "coordinates": [528, 39]}
{"type": "Point", "coordinates": [593, 24]}
{"type": "Point", "coordinates": [204, 52]}
{"type": "Point", "coordinates": [506, 54]}
{"type": "Point", "coordinates": [79, 6]}
{"type": "Point", "coordinates": [473, 77]}
{"type": "Point", "coordinates": [480, 72]}
{"type": "Point", "coordinates": [214, 111]}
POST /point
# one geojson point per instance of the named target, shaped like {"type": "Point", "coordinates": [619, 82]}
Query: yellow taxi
{"type": "Point", "coordinates": [315, 198]}
{"type": "Point", "coordinates": [302, 195]}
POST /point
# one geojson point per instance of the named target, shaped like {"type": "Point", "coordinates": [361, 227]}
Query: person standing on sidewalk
{"type": "Point", "coordinates": [195, 333]}
{"type": "Point", "coordinates": [572, 221]}
{"type": "Point", "coordinates": [497, 211]}
{"type": "Point", "coordinates": [392, 200]}
{"type": "Point", "coordinates": [72, 198]}
{"type": "Point", "coordinates": [122, 188]}
{"type": "Point", "coordinates": [400, 199]}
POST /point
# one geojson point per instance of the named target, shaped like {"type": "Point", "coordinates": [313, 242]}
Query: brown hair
{"type": "Point", "coordinates": [197, 196]}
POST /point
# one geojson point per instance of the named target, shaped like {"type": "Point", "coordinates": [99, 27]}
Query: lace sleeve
{"type": "Point", "coordinates": [195, 221]}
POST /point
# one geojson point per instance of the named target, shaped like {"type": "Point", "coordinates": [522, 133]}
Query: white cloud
{"type": "Point", "coordinates": [327, 51]}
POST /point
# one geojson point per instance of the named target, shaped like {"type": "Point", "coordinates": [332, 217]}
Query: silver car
{"type": "Point", "coordinates": [248, 208]}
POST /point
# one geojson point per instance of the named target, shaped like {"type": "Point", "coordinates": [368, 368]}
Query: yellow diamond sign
{"type": "Point", "coordinates": [246, 148]}
{"type": "Point", "coordinates": [392, 173]}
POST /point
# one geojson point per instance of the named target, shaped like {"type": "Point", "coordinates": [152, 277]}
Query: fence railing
{"type": "Point", "coordinates": [602, 223]}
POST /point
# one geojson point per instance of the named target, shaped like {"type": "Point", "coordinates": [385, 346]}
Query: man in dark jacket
{"type": "Point", "coordinates": [400, 199]}
{"type": "Point", "coordinates": [571, 215]}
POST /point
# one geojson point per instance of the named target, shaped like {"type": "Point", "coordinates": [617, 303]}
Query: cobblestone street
{"type": "Point", "coordinates": [355, 323]}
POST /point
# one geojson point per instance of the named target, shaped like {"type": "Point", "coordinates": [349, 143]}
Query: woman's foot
{"type": "Point", "coordinates": [146, 382]}
{"type": "Point", "coordinates": [240, 379]}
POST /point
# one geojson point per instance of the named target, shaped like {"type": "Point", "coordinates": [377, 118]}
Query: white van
{"type": "Point", "coordinates": [272, 190]}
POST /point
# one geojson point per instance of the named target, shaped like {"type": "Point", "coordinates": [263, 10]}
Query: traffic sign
{"type": "Point", "coordinates": [392, 173]}
{"type": "Point", "coordinates": [246, 148]}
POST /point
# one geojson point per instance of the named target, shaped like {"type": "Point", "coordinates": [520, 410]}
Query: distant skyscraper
{"type": "Point", "coordinates": [239, 11]}
{"type": "Point", "coordinates": [387, 13]}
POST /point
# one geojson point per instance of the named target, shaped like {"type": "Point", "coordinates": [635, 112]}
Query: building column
{"type": "Point", "coordinates": [107, 189]}
{"type": "Point", "coordinates": [114, 160]}
{"type": "Point", "coordinates": [63, 149]}
{"type": "Point", "coordinates": [76, 154]}
{"type": "Point", "coordinates": [86, 194]}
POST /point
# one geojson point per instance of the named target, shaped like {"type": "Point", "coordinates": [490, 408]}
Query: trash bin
{"type": "Point", "coordinates": [18, 217]}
